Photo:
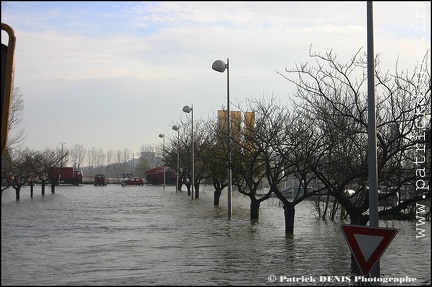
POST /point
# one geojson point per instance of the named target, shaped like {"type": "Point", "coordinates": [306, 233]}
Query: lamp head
{"type": "Point", "coordinates": [187, 109]}
{"type": "Point", "coordinates": [176, 128]}
{"type": "Point", "coordinates": [219, 66]}
{"type": "Point", "coordinates": [161, 135]}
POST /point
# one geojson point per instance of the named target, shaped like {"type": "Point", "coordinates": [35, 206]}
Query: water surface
{"type": "Point", "coordinates": [113, 235]}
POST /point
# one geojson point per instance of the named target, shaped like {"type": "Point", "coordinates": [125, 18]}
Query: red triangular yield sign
{"type": "Point", "coordinates": [367, 244]}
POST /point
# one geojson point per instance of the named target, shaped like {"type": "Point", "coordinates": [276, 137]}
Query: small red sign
{"type": "Point", "coordinates": [367, 244]}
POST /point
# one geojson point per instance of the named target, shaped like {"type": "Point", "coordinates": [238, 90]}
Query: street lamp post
{"type": "Point", "coordinates": [61, 162]}
{"type": "Point", "coordinates": [220, 66]}
{"type": "Point", "coordinates": [177, 128]}
{"type": "Point", "coordinates": [133, 161]}
{"type": "Point", "coordinates": [372, 133]}
{"type": "Point", "coordinates": [188, 109]}
{"type": "Point", "coordinates": [163, 155]}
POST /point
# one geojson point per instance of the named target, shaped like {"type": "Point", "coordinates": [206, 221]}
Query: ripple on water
{"type": "Point", "coordinates": [110, 235]}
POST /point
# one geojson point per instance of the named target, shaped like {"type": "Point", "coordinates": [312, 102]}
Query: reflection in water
{"type": "Point", "coordinates": [110, 235]}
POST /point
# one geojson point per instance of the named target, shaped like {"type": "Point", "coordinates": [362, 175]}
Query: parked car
{"type": "Point", "coordinates": [132, 181]}
{"type": "Point", "coordinates": [100, 179]}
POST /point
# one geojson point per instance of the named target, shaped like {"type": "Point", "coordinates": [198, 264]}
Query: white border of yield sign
{"type": "Point", "coordinates": [367, 244]}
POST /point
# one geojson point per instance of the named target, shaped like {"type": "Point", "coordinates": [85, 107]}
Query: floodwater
{"type": "Point", "coordinates": [113, 235]}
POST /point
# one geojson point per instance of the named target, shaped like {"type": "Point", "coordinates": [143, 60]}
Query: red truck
{"type": "Point", "coordinates": [66, 175]}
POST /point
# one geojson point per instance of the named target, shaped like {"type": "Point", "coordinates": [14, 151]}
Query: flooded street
{"type": "Point", "coordinates": [148, 235]}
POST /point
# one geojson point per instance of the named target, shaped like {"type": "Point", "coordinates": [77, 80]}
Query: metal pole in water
{"type": "Point", "coordinates": [372, 144]}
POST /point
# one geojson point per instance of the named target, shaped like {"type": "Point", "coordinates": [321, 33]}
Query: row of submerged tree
{"type": "Point", "coordinates": [27, 167]}
{"type": "Point", "coordinates": [319, 138]}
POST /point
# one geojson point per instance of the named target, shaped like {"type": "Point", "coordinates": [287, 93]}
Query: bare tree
{"type": "Point", "coordinates": [284, 141]}
{"type": "Point", "coordinates": [125, 157]}
{"type": "Point", "coordinates": [17, 169]}
{"type": "Point", "coordinates": [182, 145]}
{"type": "Point", "coordinates": [216, 158]}
{"type": "Point", "coordinates": [100, 160]}
{"type": "Point", "coordinates": [247, 161]}
{"type": "Point", "coordinates": [21, 167]}
{"type": "Point", "coordinates": [334, 96]}
{"type": "Point", "coordinates": [91, 159]}
{"type": "Point", "coordinates": [77, 155]}
{"type": "Point", "coordinates": [16, 135]}
{"type": "Point", "coordinates": [49, 160]}
{"type": "Point", "coordinates": [110, 160]}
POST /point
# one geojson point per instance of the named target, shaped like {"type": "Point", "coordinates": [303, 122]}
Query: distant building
{"type": "Point", "coordinates": [240, 130]}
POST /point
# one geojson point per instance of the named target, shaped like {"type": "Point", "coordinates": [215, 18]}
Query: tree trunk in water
{"type": "Point", "coordinates": [289, 213]}
{"type": "Point", "coordinates": [326, 206]}
{"type": "Point", "coordinates": [196, 191]}
{"type": "Point", "coordinates": [254, 209]}
{"type": "Point", "coordinates": [17, 193]}
{"type": "Point", "coordinates": [52, 188]}
{"type": "Point", "coordinates": [31, 190]}
{"type": "Point", "coordinates": [356, 218]}
{"type": "Point", "coordinates": [334, 209]}
{"type": "Point", "coordinates": [43, 188]}
{"type": "Point", "coordinates": [217, 195]}
{"type": "Point", "coordinates": [343, 212]}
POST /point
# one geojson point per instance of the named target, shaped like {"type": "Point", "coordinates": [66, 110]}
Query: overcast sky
{"type": "Point", "coordinates": [115, 75]}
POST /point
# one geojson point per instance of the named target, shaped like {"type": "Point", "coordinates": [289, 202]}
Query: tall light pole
{"type": "Point", "coordinates": [188, 109]}
{"type": "Point", "coordinates": [372, 132]}
{"type": "Point", "coordinates": [61, 162]}
{"type": "Point", "coordinates": [220, 66]}
{"type": "Point", "coordinates": [177, 128]}
{"type": "Point", "coordinates": [133, 162]}
{"type": "Point", "coordinates": [163, 155]}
